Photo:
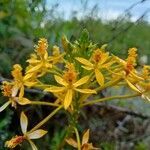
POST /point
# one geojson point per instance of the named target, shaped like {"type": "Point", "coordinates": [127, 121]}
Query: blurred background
{"type": "Point", "coordinates": [121, 125]}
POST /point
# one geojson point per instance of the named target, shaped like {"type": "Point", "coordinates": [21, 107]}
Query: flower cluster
{"type": "Point", "coordinates": [79, 72]}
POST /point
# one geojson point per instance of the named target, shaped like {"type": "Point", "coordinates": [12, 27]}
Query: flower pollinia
{"type": "Point", "coordinates": [84, 145]}
{"type": "Point", "coordinates": [17, 140]}
{"type": "Point", "coordinates": [97, 62]}
{"type": "Point", "coordinates": [69, 84]}
{"type": "Point", "coordinates": [40, 62]}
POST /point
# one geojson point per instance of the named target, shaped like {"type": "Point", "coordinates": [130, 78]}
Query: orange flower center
{"type": "Point", "coordinates": [42, 46]}
{"type": "Point", "coordinates": [15, 141]}
{"type": "Point", "coordinates": [7, 90]}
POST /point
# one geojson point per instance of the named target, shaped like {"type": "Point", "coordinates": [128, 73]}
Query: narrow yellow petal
{"type": "Point", "coordinates": [85, 137]}
{"type": "Point", "coordinates": [32, 145]}
{"type": "Point", "coordinates": [136, 76]}
{"type": "Point", "coordinates": [23, 122]}
{"type": "Point", "coordinates": [86, 91]}
{"type": "Point", "coordinates": [21, 93]}
{"type": "Point", "coordinates": [35, 68]}
{"type": "Point", "coordinates": [133, 86]}
{"type": "Point", "coordinates": [27, 76]}
{"type": "Point", "coordinates": [99, 77]}
{"type": "Point", "coordinates": [60, 80]}
{"type": "Point", "coordinates": [29, 84]}
{"type": "Point", "coordinates": [72, 142]}
{"type": "Point", "coordinates": [84, 62]}
{"type": "Point", "coordinates": [104, 58]}
{"type": "Point", "coordinates": [87, 68]}
{"type": "Point", "coordinates": [4, 106]}
{"type": "Point", "coordinates": [36, 134]}
{"type": "Point", "coordinates": [24, 101]}
{"type": "Point", "coordinates": [55, 89]}
{"type": "Point", "coordinates": [81, 81]}
{"type": "Point", "coordinates": [33, 61]}
{"type": "Point", "coordinates": [68, 98]}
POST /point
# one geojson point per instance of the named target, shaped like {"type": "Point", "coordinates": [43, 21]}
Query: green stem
{"type": "Point", "coordinates": [45, 119]}
{"type": "Point", "coordinates": [109, 98]}
{"type": "Point", "coordinates": [43, 103]}
{"type": "Point", "coordinates": [78, 138]}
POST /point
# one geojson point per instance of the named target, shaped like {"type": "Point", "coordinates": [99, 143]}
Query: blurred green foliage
{"type": "Point", "coordinates": [23, 22]}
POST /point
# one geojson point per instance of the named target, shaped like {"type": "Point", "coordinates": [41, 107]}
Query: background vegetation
{"type": "Point", "coordinates": [23, 22]}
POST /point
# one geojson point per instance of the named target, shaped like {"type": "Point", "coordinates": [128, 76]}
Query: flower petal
{"type": "Point", "coordinates": [14, 91]}
{"type": "Point", "coordinates": [86, 91]}
{"type": "Point", "coordinates": [23, 122]}
{"type": "Point", "coordinates": [36, 134]}
{"type": "Point", "coordinates": [68, 98]}
{"type": "Point", "coordinates": [27, 76]}
{"type": "Point", "coordinates": [72, 142]}
{"type": "Point", "coordinates": [133, 86]}
{"type": "Point", "coordinates": [35, 68]}
{"type": "Point", "coordinates": [55, 89]}
{"type": "Point", "coordinates": [32, 145]}
{"type": "Point", "coordinates": [85, 137]}
{"type": "Point", "coordinates": [24, 101]}
{"type": "Point", "coordinates": [84, 62]}
{"type": "Point", "coordinates": [33, 61]}
{"type": "Point", "coordinates": [87, 68]}
{"type": "Point", "coordinates": [60, 80]}
{"type": "Point", "coordinates": [29, 84]}
{"type": "Point", "coordinates": [99, 77]}
{"type": "Point", "coordinates": [21, 93]}
{"type": "Point", "coordinates": [81, 81]}
{"type": "Point", "coordinates": [4, 106]}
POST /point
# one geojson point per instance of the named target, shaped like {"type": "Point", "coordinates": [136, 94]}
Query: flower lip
{"type": "Point", "coordinates": [14, 141]}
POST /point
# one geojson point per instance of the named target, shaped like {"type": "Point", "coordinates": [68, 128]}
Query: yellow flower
{"type": "Point", "coordinates": [7, 90]}
{"type": "Point", "coordinates": [69, 85]}
{"type": "Point", "coordinates": [40, 62]}
{"type": "Point", "coordinates": [84, 145]}
{"type": "Point", "coordinates": [128, 72]}
{"type": "Point", "coordinates": [98, 61]}
{"type": "Point", "coordinates": [146, 73]}
{"type": "Point", "coordinates": [20, 81]}
{"type": "Point", "coordinates": [145, 90]}
{"type": "Point", "coordinates": [26, 135]}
